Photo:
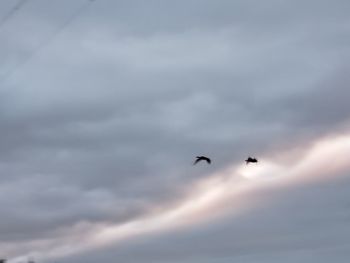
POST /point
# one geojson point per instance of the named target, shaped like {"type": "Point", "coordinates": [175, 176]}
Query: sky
{"type": "Point", "coordinates": [104, 105]}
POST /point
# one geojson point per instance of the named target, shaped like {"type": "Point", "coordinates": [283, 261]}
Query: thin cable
{"type": "Point", "coordinates": [12, 12]}
{"type": "Point", "coordinates": [44, 44]}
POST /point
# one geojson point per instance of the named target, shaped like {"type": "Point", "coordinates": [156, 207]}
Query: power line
{"type": "Point", "coordinates": [48, 41]}
{"type": "Point", "coordinates": [12, 12]}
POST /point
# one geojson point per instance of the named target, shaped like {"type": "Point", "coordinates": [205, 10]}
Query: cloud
{"type": "Point", "coordinates": [101, 125]}
{"type": "Point", "coordinates": [285, 217]}
{"type": "Point", "coordinates": [226, 198]}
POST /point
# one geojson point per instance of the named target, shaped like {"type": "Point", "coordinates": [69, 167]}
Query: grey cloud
{"type": "Point", "coordinates": [123, 98]}
{"type": "Point", "coordinates": [289, 224]}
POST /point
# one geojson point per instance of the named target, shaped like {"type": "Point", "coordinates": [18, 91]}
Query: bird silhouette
{"type": "Point", "coordinates": [202, 158]}
{"type": "Point", "coordinates": [251, 160]}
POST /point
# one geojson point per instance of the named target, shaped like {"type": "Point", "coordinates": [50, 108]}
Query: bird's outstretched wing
{"type": "Point", "coordinates": [196, 161]}
{"type": "Point", "coordinates": [202, 158]}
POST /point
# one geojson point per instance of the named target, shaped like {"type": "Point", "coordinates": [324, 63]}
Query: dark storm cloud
{"type": "Point", "coordinates": [103, 122]}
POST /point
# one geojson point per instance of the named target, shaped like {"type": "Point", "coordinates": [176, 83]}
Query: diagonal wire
{"type": "Point", "coordinates": [12, 12]}
{"type": "Point", "coordinates": [48, 41]}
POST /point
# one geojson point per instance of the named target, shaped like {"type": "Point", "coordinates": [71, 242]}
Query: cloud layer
{"type": "Point", "coordinates": [101, 116]}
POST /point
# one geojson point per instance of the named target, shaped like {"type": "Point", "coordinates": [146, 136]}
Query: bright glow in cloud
{"type": "Point", "coordinates": [264, 169]}
{"type": "Point", "coordinates": [325, 158]}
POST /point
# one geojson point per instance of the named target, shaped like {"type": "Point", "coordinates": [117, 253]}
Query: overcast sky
{"type": "Point", "coordinates": [104, 105]}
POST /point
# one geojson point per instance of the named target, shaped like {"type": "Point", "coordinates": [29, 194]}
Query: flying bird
{"type": "Point", "coordinates": [202, 158]}
{"type": "Point", "coordinates": [251, 160]}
